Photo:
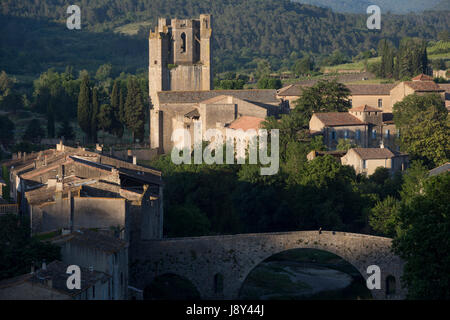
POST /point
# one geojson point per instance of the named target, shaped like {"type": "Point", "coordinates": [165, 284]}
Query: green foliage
{"type": "Point", "coordinates": [66, 131]}
{"type": "Point", "coordinates": [269, 83]}
{"type": "Point", "coordinates": [425, 128]}
{"type": "Point", "coordinates": [344, 145]}
{"type": "Point", "coordinates": [324, 96]}
{"type": "Point", "coordinates": [84, 107]}
{"type": "Point", "coordinates": [18, 250]}
{"type": "Point", "coordinates": [95, 109]}
{"type": "Point", "coordinates": [303, 66]}
{"type": "Point", "coordinates": [423, 242]}
{"type": "Point", "coordinates": [34, 132]}
{"type": "Point", "coordinates": [384, 217]}
{"type": "Point", "coordinates": [187, 220]}
{"type": "Point", "coordinates": [6, 130]}
{"type": "Point", "coordinates": [134, 109]}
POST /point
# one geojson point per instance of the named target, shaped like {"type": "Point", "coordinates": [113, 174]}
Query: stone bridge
{"type": "Point", "coordinates": [204, 260]}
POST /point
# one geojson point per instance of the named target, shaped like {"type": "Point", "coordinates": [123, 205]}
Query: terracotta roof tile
{"type": "Point", "coordinates": [424, 86]}
{"type": "Point", "coordinates": [374, 153]}
{"type": "Point", "coordinates": [246, 123]}
{"type": "Point", "coordinates": [370, 89]}
{"type": "Point", "coordinates": [422, 77]}
{"type": "Point", "coordinates": [186, 97]}
{"type": "Point", "coordinates": [338, 119]}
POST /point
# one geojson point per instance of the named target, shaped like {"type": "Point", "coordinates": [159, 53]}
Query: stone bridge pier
{"type": "Point", "coordinates": [218, 266]}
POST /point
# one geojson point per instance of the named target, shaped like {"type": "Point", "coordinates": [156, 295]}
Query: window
{"type": "Point", "coordinates": [346, 134]}
{"type": "Point", "coordinates": [387, 134]}
{"type": "Point", "coordinates": [333, 135]}
{"type": "Point", "coordinates": [358, 134]}
{"type": "Point", "coordinates": [374, 133]}
{"type": "Point", "coordinates": [380, 103]}
{"type": "Point", "coordinates": [183, 42]}
{"type": "Point", "coordinates": [351, 102]}
{"type": "Point", "coordinates": [364, 164]}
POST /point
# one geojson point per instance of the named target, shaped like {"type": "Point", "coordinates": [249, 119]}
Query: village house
{"type": "Point", "coordinates": [99, 251]}
{"type": "Point", "coordinates": [50, 283]}
{"type": "Point", "coordinates": [363, 126]}
{"type": "Point", "coordinates": [380, 96]}
{"type": "Point", "coordinates": [367, 160]}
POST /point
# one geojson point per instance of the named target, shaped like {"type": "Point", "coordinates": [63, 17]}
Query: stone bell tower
{"type": "Point", "coordinates": [179, 60]}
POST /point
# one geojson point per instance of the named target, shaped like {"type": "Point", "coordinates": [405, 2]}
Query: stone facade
{"type": "Point", "coordinates": [180, 81]}
{"type": "Point", "coordinates": [201, 259]}
{"type": "Point", "coordinates": [366, 161]}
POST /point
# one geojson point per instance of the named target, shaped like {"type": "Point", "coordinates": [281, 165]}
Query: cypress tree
{"type": "Point", "coordinates": [122, 95]}
{"type": "Point", "coordinates": [116, 101]}
{"type": "Point", "coordinates": [134, 110]}
{"type": "Point", "coordinates": [94, 113]}
{"type": "Point", "coordinates": [84, 107]}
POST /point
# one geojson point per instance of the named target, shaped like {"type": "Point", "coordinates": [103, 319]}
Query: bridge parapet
{"type": "Point", "coordinates": [200, 259]}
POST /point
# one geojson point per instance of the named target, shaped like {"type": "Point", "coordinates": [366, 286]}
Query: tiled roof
{"type": "Point", "coordinates": [365, 108]}
{"type": "Point", "coordinates": [246, 123]}
{"type": "Point", "coordinates": [441, 169]}
{"type": "Point", "coordinates": [374, 153]}
{"type": "Point", "coordinates": [169, 97]}
{"type": "Point", "coordinates": [445, 86]}
{"type": "Point", "coordinates": [338, 119]}
{"type": "Point", "coordinates": [92, 239]}
{"type": "Point", "coordinates": [56, 271]}
{"type": "Point", "coordinates": [293, 89]}
{"type": "Point", "coordinates": [422, 77]}
{"type": "Point", "coordinates": [424, 86]}
{"type": "Point", "coordinates": [370, 89]}
{"type": "Point", "coordinates": [355, 89]}
{"type": "Point", "coordinates": [215, 99]}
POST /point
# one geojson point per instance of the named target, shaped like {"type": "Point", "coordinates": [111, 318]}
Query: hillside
{"type": "Point", "coordinates": [34, 36]}
{"type": "Point", "coordinates": [397, 6]}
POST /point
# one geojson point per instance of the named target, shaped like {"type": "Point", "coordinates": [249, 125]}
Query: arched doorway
{"type": "Point", "coordinates": [171, 287]}
{"type": "Point", "coordinates": [304, 274]}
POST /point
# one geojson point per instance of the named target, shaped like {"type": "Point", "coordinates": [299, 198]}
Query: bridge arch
{"type": "Point", "coordinates": [200, 259]}
{"type": "Point", "coordinates": [318, 251]}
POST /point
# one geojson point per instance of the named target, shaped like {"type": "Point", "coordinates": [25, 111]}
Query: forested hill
{"type": "Point", "coordinates": [244, 31]}
{"type": "Point", "coordinates": [394, 6]}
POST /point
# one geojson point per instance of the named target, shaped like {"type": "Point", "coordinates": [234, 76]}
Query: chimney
{"type": "Point", "coordinates": [134, 160]}
{"type": "Point", "coordinates": [382, 144]}
{"type": "Point", "coordinates": [24, 156]}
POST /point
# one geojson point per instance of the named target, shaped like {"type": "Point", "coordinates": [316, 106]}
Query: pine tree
{"type": "Point", "coordinates": [134, 110]}
{"type": "Point", "coordinates": [84, 107]}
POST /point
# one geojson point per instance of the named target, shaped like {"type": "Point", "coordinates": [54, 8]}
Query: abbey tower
{"type": "Point", "coordinates": [179, 60]}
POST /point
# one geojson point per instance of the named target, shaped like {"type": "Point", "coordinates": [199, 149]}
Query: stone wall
{"type": "Point", "coordinates": [234, 257]}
